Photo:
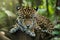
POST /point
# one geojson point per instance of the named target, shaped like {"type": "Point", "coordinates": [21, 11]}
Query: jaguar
{"type": "Point", "coordinates": [28, 21]}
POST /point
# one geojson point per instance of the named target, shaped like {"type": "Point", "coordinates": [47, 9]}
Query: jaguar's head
{"type": "Point", "coordinates": [26, 17]}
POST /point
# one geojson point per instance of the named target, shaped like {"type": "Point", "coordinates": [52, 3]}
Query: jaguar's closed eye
{"type": "Point", "coordinates": [20, 16]}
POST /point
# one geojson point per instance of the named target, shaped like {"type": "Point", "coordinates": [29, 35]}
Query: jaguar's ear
{"type": "Point", "coordinates": [36, 8]}
{"type": "Point", "coordinates": [17, 8]}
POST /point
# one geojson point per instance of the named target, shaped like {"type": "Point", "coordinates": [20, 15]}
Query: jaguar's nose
{"type": "Point", "coordinates": [28, 26]}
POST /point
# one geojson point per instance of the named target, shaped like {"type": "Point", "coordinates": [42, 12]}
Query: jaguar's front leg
{"type": "Point", "coordinates": [14, 29]}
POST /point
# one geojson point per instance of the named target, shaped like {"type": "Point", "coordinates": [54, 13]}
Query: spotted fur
{"type": "Point", "coordinates": [28, 20]}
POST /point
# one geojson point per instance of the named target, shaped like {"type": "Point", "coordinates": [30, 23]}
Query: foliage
{"type": "Point", "coordinates": [3, 19]}
{"type": "Point", "coordinates": [42, 9]}
{"type": "Point", "coordinates": [56, 30]}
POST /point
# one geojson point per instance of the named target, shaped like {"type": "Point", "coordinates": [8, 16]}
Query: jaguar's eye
{"type": "Point", "coordinates": [20, 17]}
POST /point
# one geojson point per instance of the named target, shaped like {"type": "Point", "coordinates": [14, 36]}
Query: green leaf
{"type": "Point", "coordinates": [56, 32]}
{"type": "Point", "coordinates": [57, 26]}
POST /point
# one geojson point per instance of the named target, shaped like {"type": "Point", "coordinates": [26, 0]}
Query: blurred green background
{"type": "Point", "coordinates": [48, 8]}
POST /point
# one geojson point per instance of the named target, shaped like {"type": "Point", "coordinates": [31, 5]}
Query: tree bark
{"type": "Point", "coordinates": [47, 4]}
{"type": "Point", "coordinates": [57, 12]}
{"type": "Point", "coordinates": [20, 2]}
{"type": "Point", "coordinates": [57, 5]}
